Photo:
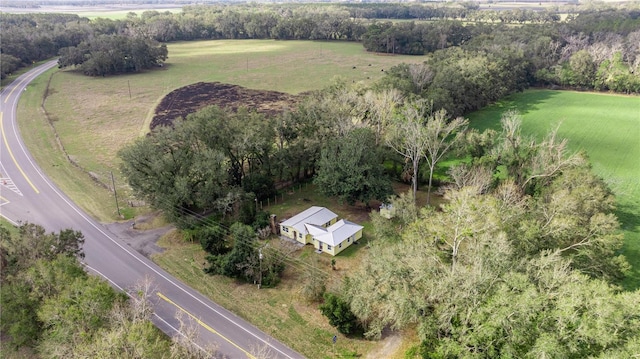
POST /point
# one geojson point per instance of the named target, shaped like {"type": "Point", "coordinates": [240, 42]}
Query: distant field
{"type": "Point", "coordinates": [607, 127]}
{"type": "Point", "coordinates": [113, 12]}
{"type": "Point", "coordinates": [95, 117]}
{"type": "Point", "coordinates": [121, 14]}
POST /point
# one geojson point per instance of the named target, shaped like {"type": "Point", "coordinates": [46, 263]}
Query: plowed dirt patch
{"type": "Point", "coordinates": [189, 99]}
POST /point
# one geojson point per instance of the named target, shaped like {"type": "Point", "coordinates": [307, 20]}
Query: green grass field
{"type": "Point", "coordinates": [607, 127]}
{"type": "Point", "coordinates": [95, 117]}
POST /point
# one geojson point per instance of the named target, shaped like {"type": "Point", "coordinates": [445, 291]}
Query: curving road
{"type": "Point", "coordinates": [26, 194]}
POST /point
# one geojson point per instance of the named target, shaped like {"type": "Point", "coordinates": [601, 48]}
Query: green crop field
{"type": "Point", "coordinates": [607, 127]}
{"type": "Point", "coordinates": [96, 116]}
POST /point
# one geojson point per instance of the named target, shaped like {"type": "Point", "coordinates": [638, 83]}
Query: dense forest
{"type": "Point", "coordinates": [592, 49]}
{"type": "Point", "coordinates": [519, 264]}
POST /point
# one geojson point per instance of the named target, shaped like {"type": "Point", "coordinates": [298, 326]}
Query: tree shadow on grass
{"type": "Point", "coordinates": [628, 214]}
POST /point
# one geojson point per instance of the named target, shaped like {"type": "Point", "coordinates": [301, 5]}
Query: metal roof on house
{"type": "Point", "coordinates": [314, 215]}
{"type": "Point", "coordinates": [335, 233]}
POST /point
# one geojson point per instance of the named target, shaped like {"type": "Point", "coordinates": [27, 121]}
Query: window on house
{"type": "Point", "coordinates": [300, 235]}
{"type": "Point", "coordinates": [340, 245]}
{"type": "Point", "coordinates": [349, 239]}
{"type": "Point", "coordinates": [285, 229]}
{"type": "Point", "coordinates": [328, 247]}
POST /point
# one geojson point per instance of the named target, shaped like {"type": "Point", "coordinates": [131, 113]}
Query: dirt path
{"type": "Point", "coordinates": [387, 347]}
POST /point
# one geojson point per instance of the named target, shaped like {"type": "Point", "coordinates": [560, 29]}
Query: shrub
{"type": "Point", "coordinates": [340, 315]}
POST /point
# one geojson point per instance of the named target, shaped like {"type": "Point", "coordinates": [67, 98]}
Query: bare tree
{"type": "Point", "coordinates": [421, 75]}
{"type": "Point", "coordinates": [479, 177]}
{"type": "Point", "coordinates": [606, 48]}
{"type": "Point", "coordinates": [574, 43]}
{"type": "Point", "coordinates": [140, 308]}
{"type": "Point", "coordinates": [380, 107]}
{"type": "Point", "coordinates": [184, 343]}
{"type": "Point", "coordinates": [313, 282]}
{"type": "Point", "coordinates": [262, 351]}
{"type": "Point", "coordinates": [632, 53]}
{"type": "Point", "coordinates": [552, 157]}
{"type": "Point", "coordinates": [440, 135]}
{"type": "Point", "coordinates": [140, 303]}
{"type": "Point", "coordinates": [407, 135]}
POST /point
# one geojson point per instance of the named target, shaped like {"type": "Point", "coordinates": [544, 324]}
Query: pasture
{"type": "Point", "coordinates": [606, 127]}
{"type": "Point", "coordinates": [95, 117]}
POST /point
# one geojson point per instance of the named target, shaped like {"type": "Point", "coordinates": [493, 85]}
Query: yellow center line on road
{"type": "Point", "coordinates": [203, 324]}
{"type": "Point", "coordinates": [13, 89]}
{"type": "Point", "coordinates": [4, 137]}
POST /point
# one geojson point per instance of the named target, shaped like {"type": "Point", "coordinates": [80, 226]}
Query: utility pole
{"type": "Point", "coordinates": [115, 194]}
{"type": "Point", "coordinates": [260, 257]}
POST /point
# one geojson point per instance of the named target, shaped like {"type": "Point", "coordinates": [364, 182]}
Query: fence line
{"type": "Point", "coordinates": [280, 196]}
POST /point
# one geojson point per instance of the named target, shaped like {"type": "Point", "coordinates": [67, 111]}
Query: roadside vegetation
{"type": "Point", "coordinates": [51, 307]}
{"type": "Point", "coordinates": [506, 212]}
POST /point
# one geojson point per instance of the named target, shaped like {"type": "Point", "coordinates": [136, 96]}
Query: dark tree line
{"type": "Point", "coordinates": [494, 61]}
{"type": "Point", "coordinates": [35, 37]}
{"type": "Point", "coordinates": [552, 50]}
{"type": "Point", "coordinates": [415, 38]}
{"type": "Point", "coordinates": [113, 54]}
{"type": "Point", "coordinates": [408, 12]}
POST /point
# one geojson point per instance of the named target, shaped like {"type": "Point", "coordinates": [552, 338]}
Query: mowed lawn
{"type": "Point", "coordinates": [607, 127]}
{"type": "Point", "coordinates": [96, 117]}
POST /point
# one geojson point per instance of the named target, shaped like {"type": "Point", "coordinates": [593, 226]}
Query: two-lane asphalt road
{"type": "Point", "coordinates": [26, 194]}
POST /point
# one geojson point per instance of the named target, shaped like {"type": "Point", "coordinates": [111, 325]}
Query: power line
{"type": "Point", "coordinates": [206, 221]}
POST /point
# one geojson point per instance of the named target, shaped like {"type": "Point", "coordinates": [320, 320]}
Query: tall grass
{"type": "Point", "coordinates": [606, 127]}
